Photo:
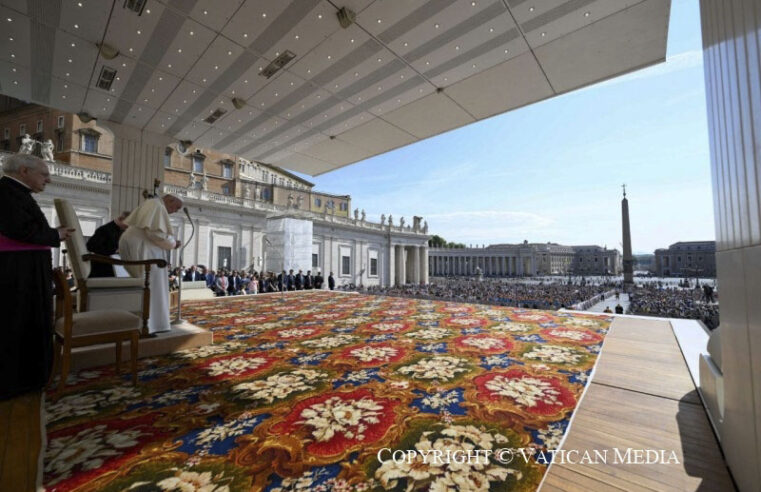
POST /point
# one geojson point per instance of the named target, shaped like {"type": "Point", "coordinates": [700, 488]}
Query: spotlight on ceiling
{"type": "Point", "coordinates": [346, 17]}
{"type": "Point", "coordinates": [107, 51]}
{"type": "Point", "coordinates": [85, 117]}
{"type": "Point", "coordinates": [238, 103]}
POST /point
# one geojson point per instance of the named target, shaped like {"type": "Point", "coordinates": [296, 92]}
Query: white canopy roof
{"type": "Point", "coordinates": [404, 70]}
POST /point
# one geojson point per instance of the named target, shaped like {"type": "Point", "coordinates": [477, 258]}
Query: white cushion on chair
{"type": "Point", "coordinates": [98, 322]}
{"type": "Point", "coordinates": [114, 282]}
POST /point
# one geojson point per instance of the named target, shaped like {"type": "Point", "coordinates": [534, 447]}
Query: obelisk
{"type": "Point", "coordinates": [628, 259]}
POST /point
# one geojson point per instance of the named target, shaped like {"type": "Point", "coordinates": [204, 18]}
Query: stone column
{"type": "Point", "coordinates": [138, 160]}
{"type": "Point", "coordinates": [417, 267]}
{"type": "Point", "coordinates": [401, 277]}
{"type": "Point", "coordinates": [423, 251]}
{"type": "Point", "coordinates": [391, 265]}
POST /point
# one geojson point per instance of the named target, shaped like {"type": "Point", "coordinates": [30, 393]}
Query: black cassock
{"type": "Point", "coordinates": [26, 293]}
{"type": "Point", "coordinates": [105, 241]}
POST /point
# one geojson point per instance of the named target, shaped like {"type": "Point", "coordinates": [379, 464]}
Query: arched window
{"type": "Point", "coordinates": [168, 157]}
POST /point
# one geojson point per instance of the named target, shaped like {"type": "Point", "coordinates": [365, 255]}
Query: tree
{"type": "Point", "coordinates": [437, 241]}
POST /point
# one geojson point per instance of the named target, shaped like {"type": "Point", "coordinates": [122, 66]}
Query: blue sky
{"type": "Point", "coordinates": [553, 171]}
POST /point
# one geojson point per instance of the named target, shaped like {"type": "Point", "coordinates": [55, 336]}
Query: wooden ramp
{"type": "Point", "coordinates": [641, 397]}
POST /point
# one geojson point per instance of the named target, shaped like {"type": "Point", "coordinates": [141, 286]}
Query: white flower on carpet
{"type": "Point", "coordinates": [207, 350]}
{"type": "Point", "coordinates": [360, 376]}
{"type": "Point", "coordinates": [187, 481]}
{"type": "Point", "coordinates": [473, 474]}
{"type": "Point", "coordinates": [585, 322]}
{"type": "Point", "coordinates": [272, 324]}
{"type": "Point", "coordinates": [304, 483]}
{"type": "Point", "coordinates": [533, 317]}
{"type": "Point", "coordinates": [430, 334]}
{"type": "Point", "coordinates": [439, 367]}
{"type": "Point", "coordinates": [218, 433]}
{"type": "Point", "coordinates": [330, 341]}
{"type": "Point", "coordinates": [492, 312]}
{"type": "Point", "coordinates": [327, 316]}
{"type": "Point", "coordinates": [440, 400]}
{"type": "Point", "coordinates": [279, 386]}
{"type": "Point", "coordinates": [465, 321]}
{"type": "Point", "coordinates": [89, 403]}
{"type": "Point", "coordinates": [484, 343]}
{"type": "Point", "coordinates": [388, 326]}
{"type": "Point", "coordinates": [554, 353]}
{"type": "Point", "coordinates": [174, 396]}
{"type": "Point", "coordinates": [400, 384]}
{"type": "Point", "coordinates": [352, 321]}
{"type": "Point", "coordinates": [570, 334]}
{"type": "Point", "coordinates": [396, 312]}
{"type": "Point", "coordinates": [526, 390]}
{"type": "Point", "coordinates": [514, 327]}
{"type": "Point", "coordinates": [88, 449]}
{"type": "Point", "coordinates": [369, 353]}
{"type": "Point", "coordinates": [234, 366]}
{"type": "Point", "coordinates": [552, 436]}
{"type": "Point", "coordinates": [336, 415]}
{"type": "Point", "coordinates": [427, 316]}
{"type": "Point", "coordinates": [497, 360]}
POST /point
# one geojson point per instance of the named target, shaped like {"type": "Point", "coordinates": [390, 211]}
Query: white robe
{"type": "Point", "coordinates": [149, 236]}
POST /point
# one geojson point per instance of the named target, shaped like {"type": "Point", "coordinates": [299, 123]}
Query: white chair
{"type": "Point", "coordinates": [74, 330]}
{"type": "Point", "coordinates": [98, 294]}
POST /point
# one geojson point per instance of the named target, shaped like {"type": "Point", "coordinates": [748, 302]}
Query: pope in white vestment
{"type": "Point", "coordinates": [149, 236]}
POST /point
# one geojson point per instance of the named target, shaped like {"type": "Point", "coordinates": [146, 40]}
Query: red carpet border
{"type": "Point", "coordinates": [302, 393]}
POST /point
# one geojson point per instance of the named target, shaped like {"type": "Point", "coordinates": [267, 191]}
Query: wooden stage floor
{"type": "Point", "coordinates": [641, 397]}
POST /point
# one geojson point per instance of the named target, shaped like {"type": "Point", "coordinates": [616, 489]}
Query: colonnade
{"type": "Point", "coordinates": [410, 265]}
{"type": "Point", "coordinates": [454, 265]}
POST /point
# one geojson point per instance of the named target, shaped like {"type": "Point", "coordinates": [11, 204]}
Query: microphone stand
{"type": "Point", "coordinates": [178, 319]}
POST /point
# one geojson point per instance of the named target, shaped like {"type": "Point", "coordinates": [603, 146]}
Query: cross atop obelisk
{"type": "Point", "coordinates": [628, 258]}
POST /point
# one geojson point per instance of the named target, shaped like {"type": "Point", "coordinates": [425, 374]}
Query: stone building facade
{"type": "Point", "coordinates": [687, 259]}
{"type": "Point", "coordinates": [234, 204]}
{"type": "Point", "coordinates": [525, 259]}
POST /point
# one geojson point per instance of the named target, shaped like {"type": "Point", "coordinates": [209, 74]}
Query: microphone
{"type": "Point", "coordinates": [187, 214]}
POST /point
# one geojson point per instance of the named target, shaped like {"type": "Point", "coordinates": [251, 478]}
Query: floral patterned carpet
{"type": "Point", "coordinates": [327, 391]}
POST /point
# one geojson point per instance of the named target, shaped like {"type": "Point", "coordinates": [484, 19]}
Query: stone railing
{"type": "Point", "coordinates": [266, 206]}
{"type": "Point", "coordinates": [65, 170]}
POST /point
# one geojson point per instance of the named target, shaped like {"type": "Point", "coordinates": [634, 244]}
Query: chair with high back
{"type": "Point", "coordinates": [90, 328]}
{"type": "Point", "coordinates": [96, 294]}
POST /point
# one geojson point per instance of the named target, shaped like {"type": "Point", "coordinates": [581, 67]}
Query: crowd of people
{"type": "Point", "coordinates": [693, 303]}
{"type": "Point", "coordinates": [226, 282]}
{"type": "Point", "coordinates": [543, 294]}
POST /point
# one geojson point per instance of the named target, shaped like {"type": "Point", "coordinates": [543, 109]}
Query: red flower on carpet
{"type": "Point", "coordinates": [571, 335]}
{"type": "Point", "coordinates": [336, 422]}
{"type": "Point", "coordinates": [371, 355]}
{"type": "Point", "coordinates": [484, 343]}
{"type": "Point", "coordinates": [236, 365]}
{"type": "Point", "coordinates": [539, 395]}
